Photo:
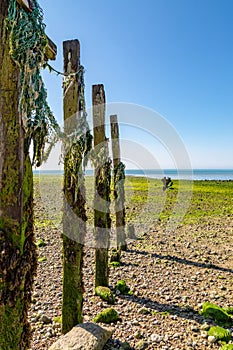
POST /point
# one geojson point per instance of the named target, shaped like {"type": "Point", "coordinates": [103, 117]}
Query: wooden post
{"type": "Point", "coordinates": [74, 202]}
{"type": "Point", "coordinates": [119, 179]}
{"type": "Point", "coordinates": [18, 252]}
{"type": "Point", "coordinates": [102, 221]}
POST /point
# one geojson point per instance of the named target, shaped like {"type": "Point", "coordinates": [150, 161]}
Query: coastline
{"type": "Point", "coordinates": [193, 174]}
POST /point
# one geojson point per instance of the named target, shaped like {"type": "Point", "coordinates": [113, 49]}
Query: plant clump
{"type": "Point", "coordinates": [42, 259]}
{"type": "Point", "coordinates": [107, 316]}
{"type": "Point", "coordinates": [122, 287]}
{"type": "Point", "coordinates": [105, 293]}
{"type": "Point", "coordinates": [219, 333]}
{"type": "Point", "coordinates": [40, 243]}
{"type": "Point", "coordinates": [115, 264]}
{"type": "Point", "coordinates": [216, 312]}
{"type": "Point", "coordinates": [227, 347]}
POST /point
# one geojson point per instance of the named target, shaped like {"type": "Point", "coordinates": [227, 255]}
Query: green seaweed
{"type": "Point", "coordinates": [229, 310]}
{"type": "Point", "coordinates": [105, 293]}
{"type": "Point", "coordinates": [40, 243]}
{"type": "Point", "coordinates": [115, 264]}
{"type": "Point", "coordinates": [58, 319]}
{"type": "Point", "coordinates": [219, 333]}
{"type": "Point", "coordinates": [216, 312]}
{"type": "Point", "coordinates": [42, 259]}
{"type": "Point", "coordinates": [107, 316]}
{"type": "Point", "coordinates": [227, 347]}
{"type": "Point", "coordinates": [122, 287]}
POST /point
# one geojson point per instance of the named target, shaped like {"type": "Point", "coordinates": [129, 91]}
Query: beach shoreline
{"type": "Point", "coordinates": [170, 273]}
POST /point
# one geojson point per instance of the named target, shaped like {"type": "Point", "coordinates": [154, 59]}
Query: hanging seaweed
{"type": "Point", "coordinates": [77, 138]}
{"type": "Point", "coordinates": [119, 180]}
{"type": "Point", "coordinates": [27, 48]}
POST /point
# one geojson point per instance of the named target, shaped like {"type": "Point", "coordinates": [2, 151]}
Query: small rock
{"type": "Point", "coordinates": [45, 319]}
{"type": "Point", "coordinates": [211, 339]}
{"type": "Point", "coordinates": [135, 322]}
{"type": "Point", "coordinates": [204, 334]}
{"type": "Point", "coordinates": [205, 327]}
{"type": "Point", "coordinates": [194, 328]}
{"type": "Point", "coordinates": [156, 338]}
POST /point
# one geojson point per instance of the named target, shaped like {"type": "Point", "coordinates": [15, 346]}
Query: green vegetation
{"type": "Point", "coordinates": [122, 287]}
{"type": "Point", "coordinates": [58, 319]}
{"type": "Point", "coordinates": [216, 312]}
{"type": "Point", "coordinates": [42, 259]}
{"type": "Point", "coordinates": [145, 201]}
{"type": "Point", "coordinates": [209, 199]}
{"type": "Point", "coordinates": [107, 316]}
{"type": "Point", "coordinates": [40, 243]}
{"type": "Point", "coordinates": [229, 310]}
{"type": "Point", "coordinates": [227, 347]}
{"type": "Point", "coordinates": [219, 333]}
{"type": "Point", "coordinates": [115, 264]}
{"type": "Point", "coordinates": [105, 293]}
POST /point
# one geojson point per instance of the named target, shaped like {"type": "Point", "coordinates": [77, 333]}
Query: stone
{"type": "Point", "coordinates": [205, 327]}
{"type": "Point", "coordinates": [85, 336]}
{"type": "Point", "coordinates": [156, 338]}
{"type": "Point", "coordinates": [45, 319]}
{"type": "Point", "coordinates": [211, 339]}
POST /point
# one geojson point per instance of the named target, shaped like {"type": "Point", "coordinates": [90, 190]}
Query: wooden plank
{"type": "Point", "coordinates": [25, 4]}
{"type": "Point", "coordinates": [51, 50]}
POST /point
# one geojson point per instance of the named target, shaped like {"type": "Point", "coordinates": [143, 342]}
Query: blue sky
{"type": "Point", "coordinates": [171, 56]}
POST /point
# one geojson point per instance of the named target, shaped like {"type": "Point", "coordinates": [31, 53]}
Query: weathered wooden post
{"type": "Point", "coordinates": [119, 180]}
{"type": "Point", "coordinates": [102, 175]}
{"type": "Point", "coordinates": [17, 248]}
{"type": "Point", "coordinates": [74, 217]}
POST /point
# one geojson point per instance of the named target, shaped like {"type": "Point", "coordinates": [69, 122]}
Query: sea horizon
{"type": "Point", "coordinates": [181, 174]}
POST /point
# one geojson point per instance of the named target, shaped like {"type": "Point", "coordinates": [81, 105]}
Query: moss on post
{"type": "Point", "coordinates": [119, 183]}
{"type": "Point", "coordinates": [18, 252]}
{"type": "Point", "coordinates": [77, 142]}
{"type": "Point", "coordinates": [102, 221]}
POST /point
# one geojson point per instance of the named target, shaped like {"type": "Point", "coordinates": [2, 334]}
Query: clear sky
{"type": "Point", "coordinates": [171, 56]}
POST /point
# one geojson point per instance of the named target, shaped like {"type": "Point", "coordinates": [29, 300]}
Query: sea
{"type": "Point", "coordinates": [194, 174]}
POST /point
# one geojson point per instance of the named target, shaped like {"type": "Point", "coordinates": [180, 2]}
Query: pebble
{"type": "Point", "coordinates": [205, 327]}
{"type": "Point", "coordinates": [158, 278]}
{"type": "Point", "coordinates": [156, 338]}
{"type": "Point", "coordinates": [211, 339]}
{"type": "Point", "coordinates": [45, 319]}
{"type": "Point", "coordinates": [204, 334]}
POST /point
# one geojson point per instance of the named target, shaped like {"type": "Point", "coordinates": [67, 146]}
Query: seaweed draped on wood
{"type": "Point", "coordinates": [27, 48]}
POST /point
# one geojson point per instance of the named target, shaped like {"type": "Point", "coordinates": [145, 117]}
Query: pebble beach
{"type": "Point", "coordinates": [170, 274]}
